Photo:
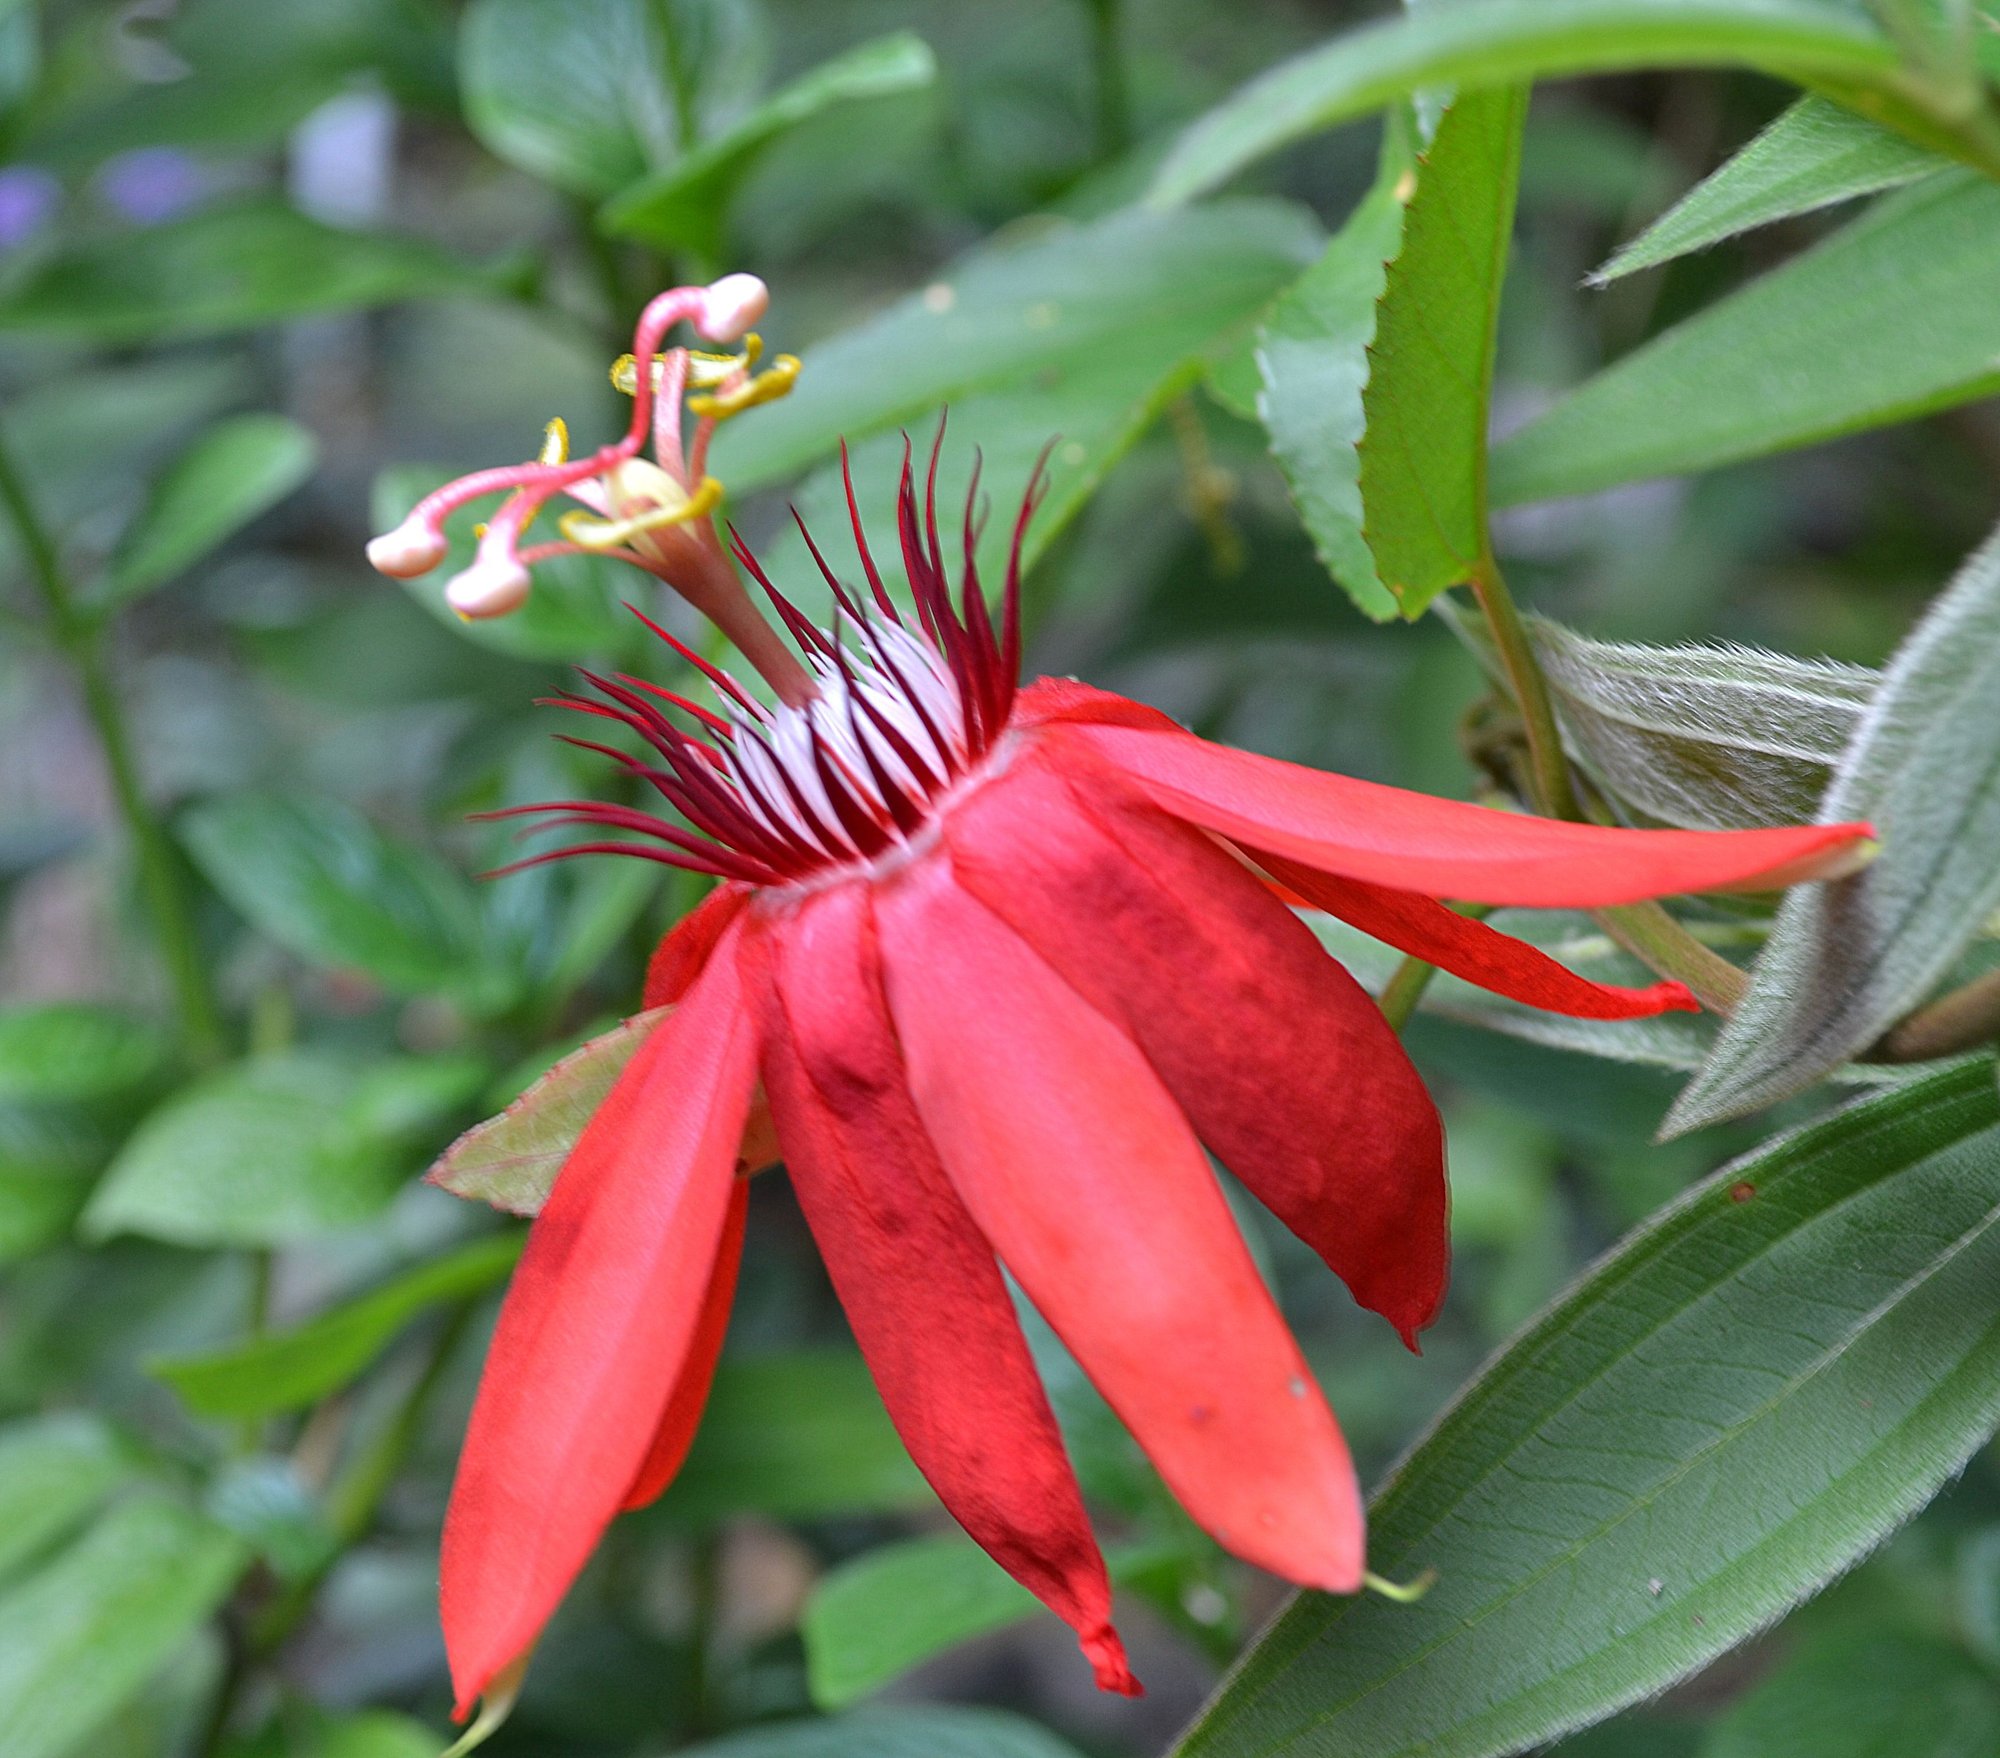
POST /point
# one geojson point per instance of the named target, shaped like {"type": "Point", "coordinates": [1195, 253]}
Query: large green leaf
{"type": "Point", "coordinates": [53, 1471]}
{"type": "Point", "coordinates": [1711, 738]}
{"type": "Point", "coordinates": [1865, 1694]}
{"type": "Point", "coordinates": [238, 469]}
{"type": "Point", "coordinates": [1134, 297]}
{"type": "Point", "coordinates": [1901, 300]}
{"type": "Point", "coordinates": [1812, 156]}
{"type": "Point", "coordinates": [511, 1160]}
{"type": "Point", "coordinates": [327, 885]}
{"type": "Point", "coordinates": [72, 1052]}
{"type": "Point", "coordinates": [85, 1632]}
{"type": "Point", "coordinates": [1846, 960]}
{"type": "Point", "coordinates": [277, 1149]}
{"type": "Point", "coordinates": [683, 207]}
{"type": "Point", "coordinates": [291, 1369]}
{"type": "Point", "coordinates": [1430, 381]}
{"type": "Point", "coordinates": [1728, 1411]}
{"type": "Point", "coordinates": [1312, 361]}
{"type": "Point", "coordinates": [1501, 42]}
{"type": "Point", "coordinates": [872, 1619]}
{"type": "Point", "coordinates": [795, 1436]}
{"type": "Point", "coordinates": [229, 268]}
{"type": "Point", "coordinates": [894, 1733]}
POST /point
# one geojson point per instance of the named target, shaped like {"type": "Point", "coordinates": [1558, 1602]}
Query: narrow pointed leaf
{"type": "Point", "coordinates": [292, 1369]}
{"type": "Point", "coordinates": [1430, 380]}
{"type": "Point", "coordinates": [511, 1160]}
{"type": "Point", "coordinates": [238, 469]}
{"type": "Point", "coordinates": [1812, 156]}
{"type": "Point", "coordinates": [1902, 299]}
{"type": "Point", "coordinates": [1846, 960]}
{"type": "Point", "coordinates": [1312, 362]}
{"type": "Point", "coordinates": [1499, 42]}
{"type": "Point", "coordinates": [1709, 738]}
{"type": "Point", "coordinates": [1729, 1410]}
{"type": "Point", "coordinates": [53, 1471]}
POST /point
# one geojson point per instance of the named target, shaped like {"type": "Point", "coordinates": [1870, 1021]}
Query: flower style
{"type": "Point", "coordinates": [1002, 963]}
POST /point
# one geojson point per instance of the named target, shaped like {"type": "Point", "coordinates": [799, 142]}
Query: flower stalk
{"type": "Point", "coordinates": [78, 634]}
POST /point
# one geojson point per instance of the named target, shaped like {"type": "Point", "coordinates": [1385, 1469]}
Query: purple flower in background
{"type": "Point", "coordinates": [28, 196]}
{"type": "Point", "coordinates": [153, 184]}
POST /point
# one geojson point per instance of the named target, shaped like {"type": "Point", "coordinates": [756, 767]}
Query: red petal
{"type": "Point", "coordinates": [1053, 701]}
{"type": "Point", "coordinates": [679, 958]}
{"type": "Point", "coordinates": [1079, 1167]}
{"type": "Point", "coordinates": [1447, 848]}
{"type": "Point", "coordinates": [1469, 949]}
{"type": "Point", "coordinates": [1284, 1065]}
{"type": "Point", "coordinates": [686, 1401]}
{"type": "Point", "coordinates": [917, 1279]}
{"type": "Point", "coordinates": [596, 1327]}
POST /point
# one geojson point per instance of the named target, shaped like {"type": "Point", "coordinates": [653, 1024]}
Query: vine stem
{"type": "Point", "coordinates": [1644, 929]}
{"type": "Point", "coordinates": [78, 634]}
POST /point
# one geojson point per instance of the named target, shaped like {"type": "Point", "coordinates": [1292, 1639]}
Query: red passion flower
{"type": "Point", "coordinates": [1002, 963]}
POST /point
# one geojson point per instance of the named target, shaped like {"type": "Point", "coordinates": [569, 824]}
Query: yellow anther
{"type": "Point", "coordinates": [555, 442]}
{"type": "Point", "coordinates": [703, 369]}
{"type": "Point", "coordinates": [595, 533]}
{"type": "Point", "coordinates": [765, 387]}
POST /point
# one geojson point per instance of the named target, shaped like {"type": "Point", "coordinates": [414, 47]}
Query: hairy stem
{"type": "Point", "coordinates": [1966, 1019]}
{"type": "Point", "coordinates": [78, 634]}
{"type": "Point", "coordinates": [1548, 767]}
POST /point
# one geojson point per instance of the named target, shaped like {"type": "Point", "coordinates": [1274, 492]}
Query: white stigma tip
{"type": "Point", "coordinates": [411, 549]}
{"type": "Point", "coordinates": [488, 589]}
{"type": "Point", "coordinates": [731, 305]}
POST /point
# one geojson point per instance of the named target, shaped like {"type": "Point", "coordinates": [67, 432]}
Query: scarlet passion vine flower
{"type": "Point", "coordinates": [1001, 962]}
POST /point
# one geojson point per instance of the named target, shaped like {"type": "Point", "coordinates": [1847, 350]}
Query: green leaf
{"type": "Point", "coordinates": [1845, 960]}
{"type": "Point", "coordinates": [1870, 1694]}
{"type": "Point", "coordinates": [1430, 380]}
{"type": "Point", "coordinates": [1812, 156]}
{"type": "Point", "coordinates": [54, 1470]}
{"type": "Point", "coordinates": [891, 1608]}
{"type": "Point", "coordinates": [796, 1437]}
{"type": "Point", "coordinates": [1901, 299]}
{"type": "Point", "coordinates": [373, 1733]}
{"type": "Point", "coordinates": [894, 1733]}
{"type": "Point", "coordinates": [228, 268]}
{"type": "Point", "coordinates": [88, 1630]}
{"type": "Point", "coordinates": [294, 1368]}
{"type": "Point", "coordinates": [1504, 42]}
{"type": "Point", "coordinates": [577, 95]}
{"type": "Point", "coordinates": [683, 207]}
{"type": "Point", "coordinates": [277, 1149]}
{"type": "Point", "coordinates": [511, 1160]}
{"type": "Point", "coordinates": [238, 469]}
{"type": "Point", "coordinates": [1312, 361]}
{"type": "Point", "coordinates": [74, 1052]}
{"type": "Point", "coordinates": [1130, 299]}
{"type": "Point", "coordinates": [1724, 1414]}
{"type": "Point", "coordinates": [324, 883]}
{"type": "Point", "coordinates": [576, 610]}
{"type": "Point", "coordinates": [1710, 738]}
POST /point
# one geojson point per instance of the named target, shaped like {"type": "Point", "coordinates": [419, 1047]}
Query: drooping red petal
{"type": "Point", "coordinates": [597, 1324]}
{"type": "Point", "coordinates": [1447, 848]}
{"type": "Point", "coordinates": [1469, 949]}
{"type": "Point", "coordinates": [1283, 1064]}
{"type": "Point", "coordinates": [1080, 1169]}
{"type": "Point", "coordinates": [917, 1279]}
{"type": "Point", "coordinates": [685, 1403]}
{"type": "Point", "coordinates": [1054, 701]}
{"type": "Point", "coordinates": [679, 958]}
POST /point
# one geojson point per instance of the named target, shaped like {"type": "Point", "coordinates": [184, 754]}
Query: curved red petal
{"type": "Point", "coordinates": [1080, 1169]}
{"type": "Point", "coordinates": [1283, 1064]}
{"type": "Point", "coordinates": [685, 1403]}
{"type": "Point", "coordinates": [1480, 954]}
{"type": "Point", "coordinates": [1053, 701]}
{"type": "Point", "coordinates": [679, 958]}
{"type": "Point", "coordinates": [917, 1279]}
{"type": "Point", "coordinates": [596, 1326]}
{"type": "Point", "coordinates": [1447, 848]}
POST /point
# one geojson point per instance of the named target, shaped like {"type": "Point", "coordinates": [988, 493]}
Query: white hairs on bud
{"type": "Point", "coordinates": [411, 549]}
{"type": "Point", "coordinates": [731, 305]}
